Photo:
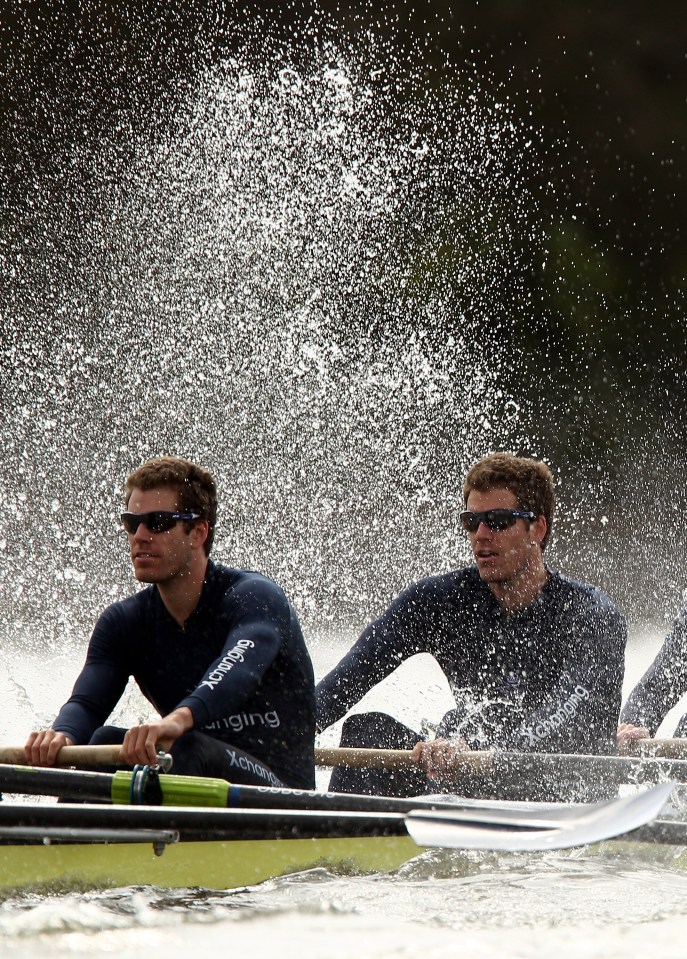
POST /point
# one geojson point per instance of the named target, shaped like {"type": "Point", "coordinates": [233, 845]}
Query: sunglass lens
{"type": "Point", "coordinates": [498, 520]}
{"type": "Point", "coordinates": [130, 522]}
{"type": "Point", "coordinates": [160, 522]}
{"type": "Point", "coordinates": [470, 522]}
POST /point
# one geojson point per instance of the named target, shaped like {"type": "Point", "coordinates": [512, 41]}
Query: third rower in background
{"type": "Point", "coordinates": [659, 689]}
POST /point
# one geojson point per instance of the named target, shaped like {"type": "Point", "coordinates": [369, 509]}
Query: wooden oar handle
{"type": "Point", "coordinates": [666, 748]}
{"type": "Point", "coordinates": [68, 756]}
{"type": "Point", "coordinates": [363, 758]}
{"type": "Point", "coordinates": [472, 761]}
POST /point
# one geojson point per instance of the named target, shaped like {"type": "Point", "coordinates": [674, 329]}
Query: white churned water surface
{"type": "Point", "coordinates": [570, 904]}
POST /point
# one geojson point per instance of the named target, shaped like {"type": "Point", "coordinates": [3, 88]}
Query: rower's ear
{"type": "Point", "coordinates": [538, 528]}
{"type": "Point", "coordinates": [200, 532]}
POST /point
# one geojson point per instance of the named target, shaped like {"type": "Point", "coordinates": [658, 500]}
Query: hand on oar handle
{"type": "Point", "coordinates": [440, 758]}
{"type": "Point", "coordinates": [629, 737]}
{"type": "Point", "coordinates": [141, 743]}
{"type": "Point", "coordinates": [42, 747]}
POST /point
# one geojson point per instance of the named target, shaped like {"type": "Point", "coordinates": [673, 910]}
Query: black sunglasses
{"type": "Point", "coordinates": [495, 519]}
{"type": "Point", "coordinates": [159, 521]}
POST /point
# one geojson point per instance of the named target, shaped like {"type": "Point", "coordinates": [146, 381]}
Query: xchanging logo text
{"type": "Point", "coordinates": [227, 663]}
{"type": "Point", "coordinates": [555, 720]}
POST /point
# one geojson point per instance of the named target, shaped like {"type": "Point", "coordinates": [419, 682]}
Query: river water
{"type": "Point", "coordinates": [526, 906]}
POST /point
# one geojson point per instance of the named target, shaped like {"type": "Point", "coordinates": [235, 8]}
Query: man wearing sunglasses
{"type": "Point", "coordinates": [217, 651]}
{"type": "Point", "coordinates": [534, 659]}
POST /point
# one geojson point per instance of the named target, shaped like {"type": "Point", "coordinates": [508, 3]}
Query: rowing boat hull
{"type": "Point", "coordinates": [224, 864]}
{"type": "Point", "coordinates": [97, 846]}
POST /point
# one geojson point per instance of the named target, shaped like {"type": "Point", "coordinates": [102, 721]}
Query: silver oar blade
{"type": "Point", "coordinates": [536, 828]}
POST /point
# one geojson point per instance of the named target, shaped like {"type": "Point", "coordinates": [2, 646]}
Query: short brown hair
{"type": "Point", "coordinates": [196, 487]}
{"type": "Point", "coordinates": [530, 481]}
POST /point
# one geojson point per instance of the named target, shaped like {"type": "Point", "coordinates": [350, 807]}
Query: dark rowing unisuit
{"type": "Point", "coordinates": [663, 684]}
{"type": "Point", "coordinates": [545, 678]}
{"type": "Point", "coordinates": [240, 664]}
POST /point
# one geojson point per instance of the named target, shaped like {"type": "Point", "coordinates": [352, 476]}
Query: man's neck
{"type": "Point", "coordinates": [182, 594]}
{"type": "Point", "coordinates": [519, 592]}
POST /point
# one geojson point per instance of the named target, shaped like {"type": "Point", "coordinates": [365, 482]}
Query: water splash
{"type": "Point", "coordinates": [290, 274]}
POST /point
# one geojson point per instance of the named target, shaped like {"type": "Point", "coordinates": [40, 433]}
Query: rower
{"type": "Point", "coordinates": [533, 658]}
{"type": "Point", "coordinates": [659, 689]}
{"type": "Point", "coordinates": [218, 651]}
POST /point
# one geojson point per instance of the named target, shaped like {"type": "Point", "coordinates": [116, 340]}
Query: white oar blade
{"type": "Point", "coordinates": [535, 828]}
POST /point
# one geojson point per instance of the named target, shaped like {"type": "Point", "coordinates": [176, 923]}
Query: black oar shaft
{"type": "Point", "coordinates": [94, 787]}
{"type": "Point", "coordinates": [257, 797]}
{"type": "Point", "coordinates": [35, 781]}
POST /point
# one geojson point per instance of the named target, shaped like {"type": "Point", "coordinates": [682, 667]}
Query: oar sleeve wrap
{"type": "Point", "coordinates": [176, 790]}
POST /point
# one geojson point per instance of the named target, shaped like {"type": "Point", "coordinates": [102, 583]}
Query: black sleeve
{"type": "Point", "coordinates": [260, 622]}
{"type": "Point", "coordinates": [664, 682]}
{"type": "Point", "coordinates": [400, 632]}
{"type": "Point", "coordinates": [100, 683]}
